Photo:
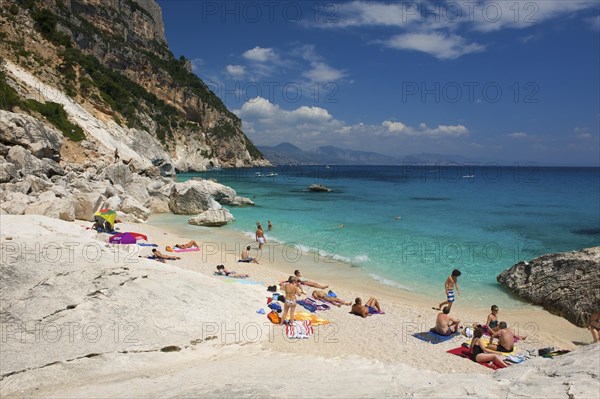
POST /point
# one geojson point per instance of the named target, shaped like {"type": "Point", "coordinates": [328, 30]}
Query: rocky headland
{"type": "Point", "coordinates": [566, 284]}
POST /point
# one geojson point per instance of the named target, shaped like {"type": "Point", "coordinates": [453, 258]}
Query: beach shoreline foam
{"type": "Point", "coordinates": [185, 322]}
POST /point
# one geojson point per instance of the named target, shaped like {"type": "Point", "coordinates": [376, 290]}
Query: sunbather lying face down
{"type": "Point", "coordinates": [157, 253]}
{"type": "Point", "coordinates": [323, 297]}
{"type": "Point", "coordinates": [224, 272]}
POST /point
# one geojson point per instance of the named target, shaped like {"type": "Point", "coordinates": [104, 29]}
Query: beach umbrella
{"type": "Point", "coordinates": [123, 238]}
{"type": "Point", "coordinates": [106, 215]}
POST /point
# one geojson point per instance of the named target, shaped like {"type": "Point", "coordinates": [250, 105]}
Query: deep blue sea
{"type": "Point", "coordinates": [409, 226]}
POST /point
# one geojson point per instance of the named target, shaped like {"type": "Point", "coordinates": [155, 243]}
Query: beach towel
{"type": "Point", "coordinates": [222, 275]}
{"type": "Point", "coordinates": [299, 329]}
{"type": "Point", "coordinates": [320, 305]}
{"type": "Point", "coordinates": [313, 318]}
{"type": "Point", "coordinates": [307, 305]}
{"type": "Point", "coordinates": [433, 337]}
{"type": "Point", "coordinates": [192, 249]}
{"type": "Point", "coordinates": [466, 353]}
{"type": "Point", "coordinates": [145, 244]}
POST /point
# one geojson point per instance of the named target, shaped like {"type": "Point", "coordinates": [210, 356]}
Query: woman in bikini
{"type": "Point", "coordinates": [481, 354]}
{"type": "Point", "coordinates": [291, 290]}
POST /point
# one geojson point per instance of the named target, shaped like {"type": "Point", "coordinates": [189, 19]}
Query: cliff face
{"type": "Point", "coordinates": [566, 284]}
{"type": "Point", "coordinates": [112, 57]}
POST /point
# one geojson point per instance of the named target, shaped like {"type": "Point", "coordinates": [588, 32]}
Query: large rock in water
{"type": "Point", "coordinates": [565, 284]}
{"type": "Point", "coordinates": [212, 218]}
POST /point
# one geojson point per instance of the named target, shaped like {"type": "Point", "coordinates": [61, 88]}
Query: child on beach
{"type": "Point", "coordinates": [451, 282]}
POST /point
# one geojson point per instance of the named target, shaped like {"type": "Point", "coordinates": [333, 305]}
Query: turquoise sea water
{"type": "Point", "coordinates": [409, 226]}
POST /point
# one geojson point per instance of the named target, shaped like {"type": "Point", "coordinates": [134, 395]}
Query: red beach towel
{"type": "Point", "coordinates": [466, 353]}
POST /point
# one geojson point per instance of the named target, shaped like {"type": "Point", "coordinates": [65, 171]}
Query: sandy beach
{"type": "Point", "coordinates": [127, 321]}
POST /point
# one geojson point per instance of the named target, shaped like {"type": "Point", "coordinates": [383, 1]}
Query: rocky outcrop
{"type": "Point", "coordinates": [26, 131]}
{"type": "Point", "coordinates": [319, 188]}
{"type": "Point", "coordinates": [565, 284]}
{"type": "Point", "coordinates": [159, 106]}
{"type": "Point", "coordinates": [212, 218]}
{"type": "Point", "coordinates": [197, 196]}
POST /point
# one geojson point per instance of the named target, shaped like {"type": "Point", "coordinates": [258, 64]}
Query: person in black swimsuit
{"type": "Point", "coordinates": [481, 354]}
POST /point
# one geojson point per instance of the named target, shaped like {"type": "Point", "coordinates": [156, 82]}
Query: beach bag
{"type": "Point", "coordinates": [273, 317]}
{"type": "Point", "coordinates": [545, 351]}
{"type": "Point", "coordinates": [275, 306]}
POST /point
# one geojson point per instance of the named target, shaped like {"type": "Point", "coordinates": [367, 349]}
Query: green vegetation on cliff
{"type": "Point", "coordinates": [53, 112]}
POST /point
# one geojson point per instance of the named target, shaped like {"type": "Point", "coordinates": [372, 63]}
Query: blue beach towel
{"type": "Point", "coordinates": [433, 337]}
{"type": "Point", "coordinates": [145, 244]}
{"type": "Point", "coordinates": [307, 305]}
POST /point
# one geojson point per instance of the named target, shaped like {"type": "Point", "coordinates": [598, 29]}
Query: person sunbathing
{"type": "Point", "coordinates": [506, 339]}
{"type": "Point", "coordinates": [370, 308]}
{"type": "Point", "coordinates": [481, 354]}
{"type": "Point", "coordinates": [187, 245]}
{"type": "Point", "coordinates": [158, 255]}
{"type": "Point", "coordinates": [444, 324]}
{"type": "Point", "coordinates": [222, 271]}
{"type": "Point", "coordinates": [245, 257]}
{"type": "Point", "coordinates": [324, 297]}
{"type": "Point", "coordinates": [303, 281]}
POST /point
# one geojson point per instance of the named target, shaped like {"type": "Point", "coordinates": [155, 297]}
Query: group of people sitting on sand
{"type": "Point", "coordinates": [480, 352]}
{"type": "Point", "coordinates": [292, 287]}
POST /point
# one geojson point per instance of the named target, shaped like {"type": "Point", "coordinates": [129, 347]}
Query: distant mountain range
{"type": "Point", "coordinates": [286, 154]}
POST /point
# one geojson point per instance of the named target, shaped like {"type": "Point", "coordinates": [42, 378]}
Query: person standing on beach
{"type": "Point", "coordinates": [291, 290]}
{"type": "Point", "coordinates": [595, 325]}
{"type": "Point", "coordinates": [260, 236]}
{"type": "Point", "coordinates": [449, 285]}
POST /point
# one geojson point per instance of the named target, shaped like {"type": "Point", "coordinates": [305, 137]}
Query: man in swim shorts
{"type": "Point", "coordinates": [506, 339]}
{"type": "Point", "coordinates": [370, 308]}
{"type": "Point", "coordinates": [245, 257]}
{"type": "Point", "coordinates": [444, 324]}
{"type": "Point", "coordinates": [260, 236]}
{"type": "Point", "coordinates": [449, 285]}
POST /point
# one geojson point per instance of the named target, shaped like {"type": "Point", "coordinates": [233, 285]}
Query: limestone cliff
{"type": "Point", "coordinates": [111, 58]}
{"type": "Point", "coordinates": [566, 284]}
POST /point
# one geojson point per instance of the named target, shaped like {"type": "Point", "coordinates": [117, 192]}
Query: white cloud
{"type": "Point", "coordinates": [260, 54]}
{"type": "Point", "coordinates": [582, 133]}
{"type": "Point", "coordinates": [236, 71]}
{"type": "Point", "coordinates": [493, 15]}
{"type": "Point", "coordinates": [269, 124]}
{"type": "Point", "coordinates": [594, 22]}
{"type": "Point", "coordinates": [321, 72]}
{"type": "Point", "coordinates": [196, 64]}
{"type": "Point", "coordinates": [438, 44]}
{"type": "Point", "coordinates": [518, 135]}
{"type": "Point", "coordinates": [395, 127]}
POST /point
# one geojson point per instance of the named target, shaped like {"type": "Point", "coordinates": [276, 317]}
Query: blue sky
{"type": "Point", "coordinates": [490, 80]}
